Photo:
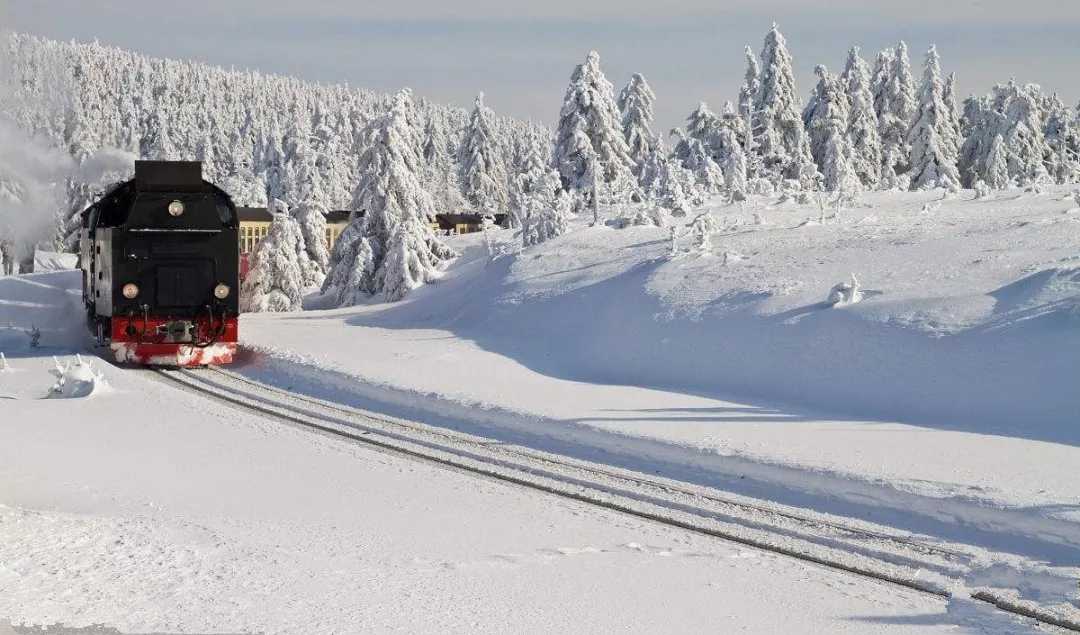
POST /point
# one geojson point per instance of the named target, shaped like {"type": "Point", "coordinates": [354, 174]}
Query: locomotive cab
{"type": "Point", "coordinates": [159, 256]}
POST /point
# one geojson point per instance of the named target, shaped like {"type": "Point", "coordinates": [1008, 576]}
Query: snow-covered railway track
{"type": "Point", "coordinates": [841, 544]}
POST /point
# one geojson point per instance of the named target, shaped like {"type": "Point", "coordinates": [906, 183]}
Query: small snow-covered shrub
{"type": "Point", "coordinates": [760, 187]}
{"type": "Point", "coordinates": [702, 228]}
{"type": "Point", "coordinates": [982, 190]}
{"type": "Point", "coordinates": [649, 216]}
{"type": "Point", "coordinates": [845, 293]}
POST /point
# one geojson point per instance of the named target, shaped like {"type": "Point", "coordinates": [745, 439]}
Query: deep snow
{"type": "Point", "coordinates": [945, 401]}
{"type": "Point", "coordinates": [147, 509]}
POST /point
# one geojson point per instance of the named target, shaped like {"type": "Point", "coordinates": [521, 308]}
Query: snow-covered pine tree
{"type": "Point", "coordinates": [826, 110]}
{"type": "Point", "coordinates": [895, 122]}
{"type": "Point", "coordinates": [952, 111]}
{"type": "Point", "coordinates": [879, 83]}
{"type": "Point", "coordinates": [735, 177]}
{"type": "Point", "coordinates": [707, 174]}
{"type": "Point", "coordinates": [672, 186]}
{"type": "Point", "coordinates": [589, 125]}
{"type": "Point", "coordinates": [838, 174]}
{"type": "Point", "coordinates": [864, 141]}
{"type": "Point", "coordinates": [1024, 139]}
{"type": "Point", "coordinates": [275, 280]}
{"type": "Point", "coordinates": [703, 125]}
{"type": "Point", "coordinates": [350, 273]}
{"type": "Point", "coordinates": [750, 86]}
{"type": "Point", "coordinates": [311, 217]}
{"type": "Point", "coordinates": [636, 103]}
{"type": "Point", "coordinates": [531, 181]}
{"type": "Point", "coordinates": [933, 158]}
{"type": "Point", "coordinates": [782, 143]}
{"type": "Point", "coordinates": [997, 165]}
{"type": "Point", "coordinates": [1062, 143]}
{"type": "Point", "coordinates": [483, 173]}
{"type": "Point", "coordinates": [391, 248]}
{"type": "Point", "coordinates": [548, 211]}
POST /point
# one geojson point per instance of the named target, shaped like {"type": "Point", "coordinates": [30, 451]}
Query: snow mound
{"type": "Point", "coordinates": [846, 293]}
{"type": "Point", "coordinates": [76, 380]}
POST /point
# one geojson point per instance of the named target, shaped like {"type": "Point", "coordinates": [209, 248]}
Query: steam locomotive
{"type": "Point", "coordinates": [159, 260]}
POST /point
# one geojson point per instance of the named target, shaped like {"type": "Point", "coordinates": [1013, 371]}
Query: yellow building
{"type": "Point", "coordinates": [255, 223]}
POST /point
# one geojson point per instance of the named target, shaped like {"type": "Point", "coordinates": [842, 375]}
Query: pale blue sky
{"type": "Point", "coordinates": [521, 54]}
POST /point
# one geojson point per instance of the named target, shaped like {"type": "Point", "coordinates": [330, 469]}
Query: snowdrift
{"type": "Point", "coordinates": [969, 317]}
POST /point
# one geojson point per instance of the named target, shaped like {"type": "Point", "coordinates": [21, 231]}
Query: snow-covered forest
{"type": "Point", "coordinates": [878, 124]}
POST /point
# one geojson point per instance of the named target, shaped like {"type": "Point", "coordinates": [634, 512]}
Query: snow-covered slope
{"type": "Point", "coordinates": [149, 509]}
{"type": "Point", "coordinates": [948, 393]}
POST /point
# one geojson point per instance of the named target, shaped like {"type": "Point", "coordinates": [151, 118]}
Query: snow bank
{"type": "Point", "coordinates": [968, 329]}
{"type": "Point", "coordinates": [968, 316]}
{"type": "Point", "coordinates": [47, 261]}
{"type": "Point", "coordinates": [51, 303]}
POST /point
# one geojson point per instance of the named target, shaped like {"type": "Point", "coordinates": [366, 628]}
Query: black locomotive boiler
{"type": "Point", "coordinates": [159, 258]}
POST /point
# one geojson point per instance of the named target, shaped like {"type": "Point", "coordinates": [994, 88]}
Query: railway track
{"type": "Point", "coordinates": [915, 562]}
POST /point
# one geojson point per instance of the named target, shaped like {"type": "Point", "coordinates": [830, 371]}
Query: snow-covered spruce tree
{"type": "Point", "coordinates": [952, 112]}
{"type": "Point", "coordinates": [896, 120]}
{"type": "Point", "coordinates": [311, 217]}
{"type": "Point", "coordinates": [1062, 139]}
{"type": "Point", "coordinates": [532, 181]}
{"type": "Point", "coordinates": [548, 214]}
{"type": "Point", "coordinates": [750, 86]}
{"type": "Point", "coordinates": [996, 172]}
{"type": "Point", "coordinates": [703, 125]}
{"type": "Point", "coordinates": [391, 248]}
{"type": "Point", "coordinates": [589, 125]}
{"type": "Point", "coordinates": [698, 161]}
{"type": "Point", "coordinates": [862, 126]}
{"type": "Point", "coordinates": [1024, 139]}
{"type": "Point", "coordinates": [879, 82]}
{"type": "Point", "coordinates": [483, 173]}
{"type": "Point", "coordinates": [782, 143]}
{"type": "Point", "coordinates": [275, 280]}
{"type": "Point", "coordinates": [838, 174]}
{"type": "Point", "coordinates": [636, 103]}
{"type": "Point", "coordinates": [735, 178]}
{"type": "Point", "coordinates": [933, 153]}
{"type": "Point", "coordinates": [826, 111]}
{"type": "Point", "coordinates": [672, 187]}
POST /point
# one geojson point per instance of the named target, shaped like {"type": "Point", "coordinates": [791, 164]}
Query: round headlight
{"type": "Point", "coordinates": [176, 208]}
{"type": "Point", "coordinates": [221, 291]}
{"type": "Point", "coordinates": [130, 291]}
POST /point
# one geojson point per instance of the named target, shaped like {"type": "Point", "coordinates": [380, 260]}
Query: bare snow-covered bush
{"type": "Point", "coordinates": [845, 293]}
{"type": "Point", "coordinates": [275, 280]}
